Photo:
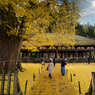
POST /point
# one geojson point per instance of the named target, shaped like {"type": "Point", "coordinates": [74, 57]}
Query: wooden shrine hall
{"type": "Point", "coordinates": [81, 50]}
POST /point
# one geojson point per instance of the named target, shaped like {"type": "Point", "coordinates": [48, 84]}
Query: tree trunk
{"type": "Point", "coordinates": [9, 51]}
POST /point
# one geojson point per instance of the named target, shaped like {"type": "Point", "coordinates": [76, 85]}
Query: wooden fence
{"type": "Point", "coordinates": [91, 90]}
{"type": "Point", "coordinates": [16, 86]}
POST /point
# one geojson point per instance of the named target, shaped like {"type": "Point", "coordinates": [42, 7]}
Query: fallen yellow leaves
{"type": "Point", "coordinates": [30, 68]}
{"type": "Point", "coordinates": [81, 72]}
{"type": "Point", "coordinates": [59, 84]}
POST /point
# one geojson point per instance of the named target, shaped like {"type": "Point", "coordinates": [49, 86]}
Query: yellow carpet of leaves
{"type": "Point", "coordinates": [30, 68]}
{"type": "Point", "coordinates": [82, 73]}
{"type": "Point", "coordinates": [58, 85]}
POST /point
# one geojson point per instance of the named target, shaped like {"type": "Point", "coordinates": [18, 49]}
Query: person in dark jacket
{"type": "Point", "coordinates": [89, 59]}
{"type": "Point", "coordinates": [54, 61]}
{"type": "Point", "coordinates": [63, 63]}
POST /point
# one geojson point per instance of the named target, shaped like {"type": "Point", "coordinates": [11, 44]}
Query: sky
{"type": "Point", "coordinates": [88, 12]}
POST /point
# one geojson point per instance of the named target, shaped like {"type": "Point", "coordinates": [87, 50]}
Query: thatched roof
{"type": "Point", "coordinates": [80, 40]}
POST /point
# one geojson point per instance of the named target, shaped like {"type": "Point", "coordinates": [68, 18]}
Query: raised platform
{"type": "Point", "coordinates": [58, 60]}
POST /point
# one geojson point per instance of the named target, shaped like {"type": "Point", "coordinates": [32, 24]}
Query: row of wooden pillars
{"type": "Point", "coordinates": [57, 54]}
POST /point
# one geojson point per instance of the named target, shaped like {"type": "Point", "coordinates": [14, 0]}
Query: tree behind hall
{"type": "Point", "coordinates": [86, 30]}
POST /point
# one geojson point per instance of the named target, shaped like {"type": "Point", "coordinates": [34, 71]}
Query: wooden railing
{"type": "Point", "coordinates": [91, 90]}
{"type": "Point", "coordinates": [16, 86]}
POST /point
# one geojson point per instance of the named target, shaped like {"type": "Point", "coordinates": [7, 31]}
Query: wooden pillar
{"type": "Point", "coordinates": [28, 54]}
{"type": "Point", "coordinates": [22, 54]}
{"type": "Point", "coordinates": [37, 54]}
{"type": "Point", "coordinates": [41, 54]}
{"type": "Point", "coordinates": [73, 54]}
{"type": "Point", "coordinates": [82, 54]}
{"type": "Point", "coordinates": [90, 53]}
{"type": "Point", "coordinates": [31, 54]}
{"type": "Point", "coordinates": [85, 52]}
{"type": "Point", "coordinates": [61, 54]}
{"type": "Point", "coordinates": [66, 54]}
{"type": "Point", "coordinates": [79, 54]}
{"type": "Point", "coordinates": [48, 55]}
{"type": "Point", "coordinates": [56, 53]}
{"type": "Point", "coordinates": [94, 51]}
{"type": "Point", "coordinates": [93, 83]}
{"type": "Point", "coordinates": [76, 53]}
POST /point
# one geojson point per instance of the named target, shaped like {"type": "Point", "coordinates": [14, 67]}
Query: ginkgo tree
{"type": "Point", "coordinates": [28, 19]}
{"type": "Point", "coordinates": [61, 29]}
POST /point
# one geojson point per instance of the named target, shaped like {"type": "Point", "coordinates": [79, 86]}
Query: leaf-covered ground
{"type": "Point", "coordinates": [30, 69]}
{"type": "Point", "coordinates": [58, 85]}
{"type": "Point", "coordinates": [81, 72]}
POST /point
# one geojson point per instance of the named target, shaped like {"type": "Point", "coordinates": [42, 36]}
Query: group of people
{"type": "Point", "coordinates": [50, 66]}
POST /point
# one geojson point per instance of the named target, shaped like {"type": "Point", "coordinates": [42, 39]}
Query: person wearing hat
{"type": "Point", "coordinates": [51, 59]}
{"type": "Point", "coordinates": [42, 62]}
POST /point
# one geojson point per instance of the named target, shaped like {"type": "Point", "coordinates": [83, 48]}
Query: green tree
{"type": "Point", "coordinates": [80, 30]}
{"type": "Point", "coordinates": [91, 31]}
{"type": "Point", "coordinates": [86, 30]}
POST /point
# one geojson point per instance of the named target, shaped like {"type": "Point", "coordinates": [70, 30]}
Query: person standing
{"type": "Point", "coordinates": [42, 62]}
{"type": "Point", "coordinates": [51, 59]}
{"type": "Point", "coordinates": [50, 69]}
{"type": "Point", "coordinates": [89, 59]}
{"type": "Point", "coordinates": [63, 63]}
{"type": "Point", "coordinates": [54, 61]}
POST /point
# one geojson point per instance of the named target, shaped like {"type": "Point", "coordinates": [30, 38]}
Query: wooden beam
{"type": "Point", "coordinates": [15, 83]}
{"type": "Point", "coordinates": [93, 83]}
{"type": "Point", "coordinates": [2, 82]}
{"type": "Point", "coordinates": [9, 82]}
